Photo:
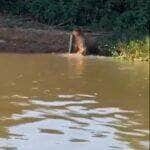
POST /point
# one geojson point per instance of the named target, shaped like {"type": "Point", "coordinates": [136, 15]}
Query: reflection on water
{"type": "Point", "coordinates": [60, 102]}
{"type": "Point", "coordinates": [77, 61]}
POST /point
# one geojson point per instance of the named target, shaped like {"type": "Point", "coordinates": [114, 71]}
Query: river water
{"type": "Point", "coordinates": [65, 102]}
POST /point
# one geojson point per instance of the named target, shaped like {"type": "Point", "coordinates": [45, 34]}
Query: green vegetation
{"type": "Point", "coordinates": [126, 49]}
{"type": "Point", "coordinates": [136, 49]}
{"type": "Point", "coordinates": [100, 14]}
{"type": "Point", "coordinates": [128, 19]}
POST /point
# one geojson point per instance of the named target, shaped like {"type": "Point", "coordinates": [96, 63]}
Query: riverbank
{"type": "Point", "coordinates": [32, 40]}
{"type": "Point", "coordinates": [24, 35]}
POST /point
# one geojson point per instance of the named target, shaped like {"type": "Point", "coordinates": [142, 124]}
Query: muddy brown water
{"type": "Point", "coordinates": [72, 103]}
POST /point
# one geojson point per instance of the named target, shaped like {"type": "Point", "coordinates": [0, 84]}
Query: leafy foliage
{"type": "Point", "coordinates": [117, 15]}
{"type": "Point", "coordinates": [129, 49]}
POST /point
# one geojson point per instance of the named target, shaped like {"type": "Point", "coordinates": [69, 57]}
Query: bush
{"type": "Point", "coordinates": [129, 49]}
{"type": "Point", "coordinates": [134, 49]}
{"type": "Point", "coordinates": [117, 15]}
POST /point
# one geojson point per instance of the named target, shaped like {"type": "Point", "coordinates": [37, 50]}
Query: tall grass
{"type": "Point", "coordinates": [134, 50]}
{"type": "Point", "coordinates": [128, 49]}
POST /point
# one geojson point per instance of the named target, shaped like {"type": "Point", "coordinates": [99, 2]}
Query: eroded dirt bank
{"type": "Point", "coordinates": [33, 40]}
{"type": "Point", "coordinates": [23, 35]}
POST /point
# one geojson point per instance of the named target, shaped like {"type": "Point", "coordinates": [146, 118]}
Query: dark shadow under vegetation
{"type": "Point", "coordinates": [128, 20]}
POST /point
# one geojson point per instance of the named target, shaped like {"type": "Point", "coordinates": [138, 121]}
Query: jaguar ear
{"type": "Point", "coordinates": [70, 43]}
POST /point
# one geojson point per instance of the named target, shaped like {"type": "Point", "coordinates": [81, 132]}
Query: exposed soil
{"type": "Point", "coordinates": [32, 40]}
{"type": "Point", "coordinates": [27, 36]}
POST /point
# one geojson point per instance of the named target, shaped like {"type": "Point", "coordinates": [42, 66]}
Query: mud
{"type": "Point", "coordinates": [26, 36]}
{"type": "Point", "coordinates": [33, 40]}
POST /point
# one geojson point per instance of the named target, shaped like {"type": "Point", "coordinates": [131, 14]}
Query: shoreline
{"type": "Point", "coordinates": [32, 40]}
{"type": "Point", "coordinates": [41, 41]}
{"type": "Point", "coordinates": [25, 36]}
